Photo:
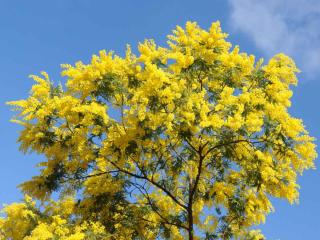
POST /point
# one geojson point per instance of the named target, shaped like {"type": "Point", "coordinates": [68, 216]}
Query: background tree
{"type": "Point", "coordinates": [184, 142]}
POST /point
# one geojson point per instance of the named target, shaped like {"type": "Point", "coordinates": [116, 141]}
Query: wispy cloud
{"type": "Point", "coordinates": [289, 26]}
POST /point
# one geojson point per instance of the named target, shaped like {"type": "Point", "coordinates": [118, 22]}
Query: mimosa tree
{"type": "Point", "coordinates": [187, 141]}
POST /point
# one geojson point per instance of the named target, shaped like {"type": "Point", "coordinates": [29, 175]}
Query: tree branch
{"type": "Point", "coordinates": [154, 208]}
{"type": "Point", "coordinates": [145, 177]}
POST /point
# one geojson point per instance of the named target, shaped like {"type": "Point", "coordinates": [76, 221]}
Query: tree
{"type": "Point", "coordinates": [189, 141]}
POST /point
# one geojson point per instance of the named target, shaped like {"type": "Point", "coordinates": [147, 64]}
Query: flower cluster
{"type": "Point", "coordinates": [195, 135]}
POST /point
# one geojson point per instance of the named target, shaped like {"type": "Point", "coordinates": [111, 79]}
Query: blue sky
{"type": "Point", "coordinates": [40, 35]}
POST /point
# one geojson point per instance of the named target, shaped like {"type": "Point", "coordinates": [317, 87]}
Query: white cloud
{"type": "Point", "coordinates": [289, 26]}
